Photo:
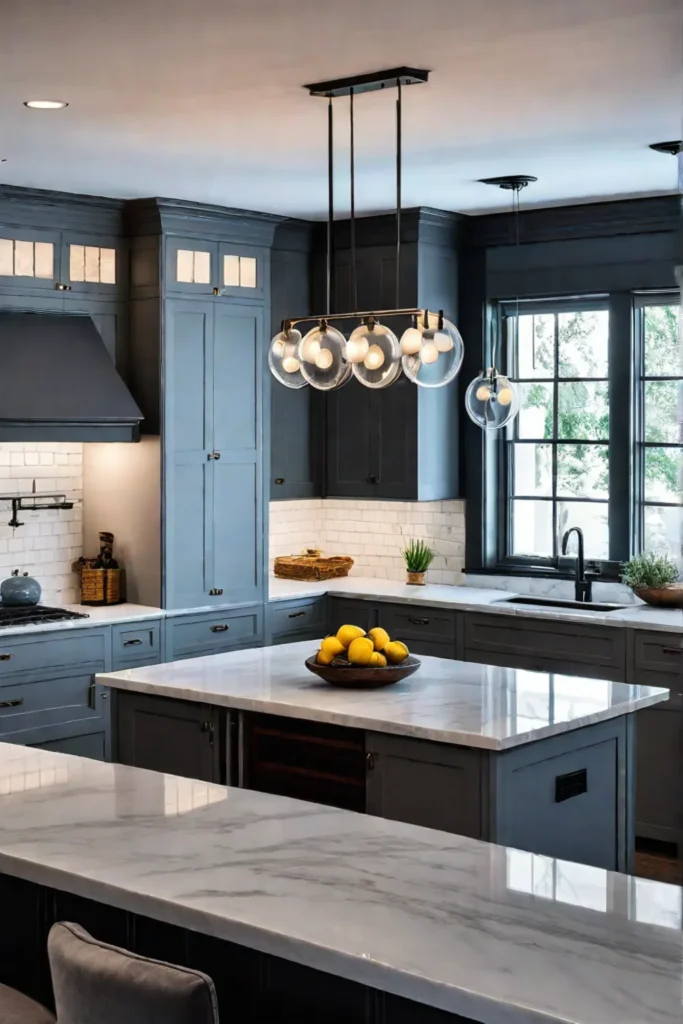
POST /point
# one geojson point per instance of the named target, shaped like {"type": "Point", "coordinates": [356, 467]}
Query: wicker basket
{"type": "Point", "coordinates": [100, 586]}
{"type": "Point", "coordinates": [312, 567]}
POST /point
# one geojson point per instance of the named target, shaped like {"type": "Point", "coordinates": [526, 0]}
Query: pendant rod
{"type": "Point", "coordinates": [399, 157]}
{"type": "Point", "coordinates": [354, 274]}
{"type": "Point", "coordinates": [330, 197]}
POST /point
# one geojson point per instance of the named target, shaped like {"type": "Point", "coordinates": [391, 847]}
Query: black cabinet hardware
{"type": "Point", "coordinates": [208, 728]}
{"type": "Point", "coordinates": [296, 615]}
{"type": "Point", "coordinates": [370, 761]}
{"type": "Point", "coordinates": [215, 592]}
{"type": "Point", "coordinates": [672, 650]}
{"type": "Point", "coordinates": [373, 480]}
{"type": "Point", "coordinates": [419, 622]}
{"type": "Point", "coordinates": [213, 455]}
{"type": "Point", "coordinates": [220, 629]}
{"type": "Point", "coordinates": [63, 287]}
{"type": "Point", "coordinates": [11, 703]}
{"type": "Point", "coordinates": [132, 643]}
{"type": "Point", "coordinates": [279, 480]}
{"type": "Point", "coordinates": [570, 785]}
{"type": "Point", "coordinates": [5, 657]}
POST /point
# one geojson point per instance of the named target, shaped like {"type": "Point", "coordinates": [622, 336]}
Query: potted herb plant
{"type": "Point", "coordinates": [652, 578]}
{"type": "Point", "coordinates": [418, 557]}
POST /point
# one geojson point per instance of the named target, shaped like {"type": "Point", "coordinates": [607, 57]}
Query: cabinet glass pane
{"type": "Point", "coordinates": [108, 266]}
{"type": "Point", "coordinates": [23, 259]}
{"type": "Point", "coordinates": [532, 528]}
{"type": "Point", "coordinates": [231, 271]}
{"type": "Point", "coordinates": [92, 264]}
{"type": "Point", "coordinates": [247, 272]}
{"type": "Point", "coordinates": [202, 268]}
{"type": "Point", "coordinates": [77, 263]}
{"type": "Point", "coordinates": [6, 257]}
{"type": "Point", "coordinates": [185, 266]}
{"type": "Point", "coordinates": [44, 260]}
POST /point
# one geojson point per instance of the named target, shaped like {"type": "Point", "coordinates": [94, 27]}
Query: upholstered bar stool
{"type": "Point", "coordinates": [16, 1008]}
{"type": "Point", "coordinates": [95, 983]}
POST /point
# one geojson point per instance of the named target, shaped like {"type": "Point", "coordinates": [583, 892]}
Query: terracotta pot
{"type": "Point", "coordinates": [417, 579]}
{"type": "Point", "coordinates": [670, 596]}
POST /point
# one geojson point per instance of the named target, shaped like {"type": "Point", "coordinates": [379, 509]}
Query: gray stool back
{"type": "Point", "coordinates": [95, 983]}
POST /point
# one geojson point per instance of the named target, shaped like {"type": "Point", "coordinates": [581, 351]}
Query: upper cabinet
{"type": "Point", "coordinates": [29, 260]}
{"type": "Point", "coordinates": [222, 269]}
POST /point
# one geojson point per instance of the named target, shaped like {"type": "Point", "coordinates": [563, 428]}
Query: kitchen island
{"type": "Point", "coordinates": [306, 913]}
{"type": "Point", "coordinates": [532, 760]}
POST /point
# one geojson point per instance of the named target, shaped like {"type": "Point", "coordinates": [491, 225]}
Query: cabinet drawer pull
{"type": "Point", "coordinates": [370, 761]}
{"type": "Point", "coordinates": [5, 657]}
{"type": "Point", "coordinates": [672, 650]}
{"type": "Point", "coordinates": [215, 592]}
{"type": "Point", "coordinates": [11, 703]}
{"type": "Point", "coordinates": [213, 455]}
{"type": "Point", "coordinates": [373, 480]}
{"type": "Point", "coordinates": [220, 629]}
{"type": "Point", "coordinates": [132, 643]}
{"type": "Point", "coordinates": [419, 622]}
{"type": "Point", "coordinates": [296, 615]}
{"type": "Point", "coordinates": [279, 480]}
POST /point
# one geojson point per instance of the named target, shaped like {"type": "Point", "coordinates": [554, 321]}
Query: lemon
{"type": "Point", "coordinates": [396, 652]}
{"type": "Point", "coordinates": [379, 637]}
{"type": "Point", "coordinates": [324, 657]}
{"type": "Point", "coordinates": [360, 651]}
{"type": "Point", "coordinates": [345, 634]}
{"type": "Point", "coordinates": [378, 660]}
{"type": "Point", "coordinates": [330, 645]}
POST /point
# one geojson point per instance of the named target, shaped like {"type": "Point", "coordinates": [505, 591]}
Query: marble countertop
{"type": "Point", "coordinates": [447, 701]}
{"type": "Point", "coordinates": [472, 599]}
{"type": "Point", "coordinates": [494, 934]}
{"type": "Point", "coordinates": [107, 615]}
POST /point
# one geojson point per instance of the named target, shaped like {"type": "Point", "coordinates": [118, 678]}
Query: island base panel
{"type": "Point", "coordinates": [252, 987]}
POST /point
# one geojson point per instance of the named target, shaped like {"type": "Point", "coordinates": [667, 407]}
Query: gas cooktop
{"type": "Point", "coordinates": [28, 616]}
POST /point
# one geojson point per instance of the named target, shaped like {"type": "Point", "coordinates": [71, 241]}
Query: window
{"type": "Point", "coordinates": [193, 266]}
{"type": "Point", "coordinates": [92, 264]}
{"type": "Point", "coordinates": [557, 466]}
{"type": "Point", "coordinates": [239, 271]}
{"type": "Point", "coordinates": [26, 259]}
{"type": "Point", "coordinates": [659, 456]}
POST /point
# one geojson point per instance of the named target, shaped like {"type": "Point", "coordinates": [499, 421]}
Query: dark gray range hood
{"type": "Point", "coordinates": [58, 382]}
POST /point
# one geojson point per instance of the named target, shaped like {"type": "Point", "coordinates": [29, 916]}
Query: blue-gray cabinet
{"type": "Point", "coordinates": [290, 621]}
{"type": "Point", "coordinates": [213, 470]}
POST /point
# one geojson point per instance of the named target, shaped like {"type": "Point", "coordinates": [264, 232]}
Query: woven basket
{"type": "Point", "coordinates": [100, 586]}
{"type": "Point", "coordinates": [312, 567]}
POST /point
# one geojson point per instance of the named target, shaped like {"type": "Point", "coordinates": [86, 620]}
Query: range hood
{"type": "Point", "coordinates": [58, 382]}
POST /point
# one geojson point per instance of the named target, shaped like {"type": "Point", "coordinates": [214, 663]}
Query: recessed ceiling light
{"type": "Point", "coordinates": [45, 104]}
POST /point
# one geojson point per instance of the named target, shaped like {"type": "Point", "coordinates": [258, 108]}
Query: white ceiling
{"type": "Point", "coordinates": [203, 100]}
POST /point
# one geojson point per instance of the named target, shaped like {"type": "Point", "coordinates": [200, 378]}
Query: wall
{"type": "Point", "coordinates": [373, 533]}
{"type": "Point", "coordinates": [48, 542]}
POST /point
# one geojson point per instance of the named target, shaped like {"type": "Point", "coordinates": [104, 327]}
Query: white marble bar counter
{"type": "Point", "coordinates": [494, 934]}
{"type": "Point", "coordinates": [472, 599]}
{"type": "Point", "coordinates": [447, 701]}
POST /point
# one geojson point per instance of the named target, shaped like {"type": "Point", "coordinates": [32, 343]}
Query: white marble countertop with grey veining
{"type": "Point", "coordinates": [472, 599]}
{"type": "Point", "coordinates": [447, 701]}
{"type": "Point", "coordinates": [496, 935]}
{"type": "Point", "coordinates": [106, 615]}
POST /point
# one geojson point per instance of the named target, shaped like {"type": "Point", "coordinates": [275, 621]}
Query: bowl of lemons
{"type": "Point", "coordinates": [356, 659]}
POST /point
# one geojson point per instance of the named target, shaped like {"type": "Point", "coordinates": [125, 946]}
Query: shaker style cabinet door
{"type": "Point", "coordinates": [191, 266]}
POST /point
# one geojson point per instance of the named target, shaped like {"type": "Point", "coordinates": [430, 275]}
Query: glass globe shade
{"type": "Point", "coordinates": [491, 401]}
{"type": "Point", "coordinates": [382, 362]}
{"type": "Point", "coordinates": [411, 341]}
{"type": "Point", "coordinates": [322, 353]}
{"type": "Point", "coordinates": [438, 358]}
{"type": "Point", "coordinates": [357, 347]}
{"type": "Point", "coordinates": [283, 359]}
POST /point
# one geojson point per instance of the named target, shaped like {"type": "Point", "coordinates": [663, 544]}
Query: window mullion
{"type": "Point", "coordinates": [621, 420]}
{"type": "Point", "coordinates": [556, 400]}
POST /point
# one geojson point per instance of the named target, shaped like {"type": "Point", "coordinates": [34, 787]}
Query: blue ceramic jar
{"type": "Point", "coordinates": [19, 590]}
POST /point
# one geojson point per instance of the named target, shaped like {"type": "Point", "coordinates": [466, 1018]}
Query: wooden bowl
{"type": "Point", "coordinates": [670, 596]}
{"type": "Point", "coordinates": [360, 677]}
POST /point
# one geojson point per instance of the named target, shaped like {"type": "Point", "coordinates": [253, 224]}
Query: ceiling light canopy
{"type": "Point", "coordinates": [46, 104]}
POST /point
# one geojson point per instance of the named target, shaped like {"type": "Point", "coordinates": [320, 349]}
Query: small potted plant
{"type": "Point", "coordinates": [418, 557]}
{"type": "Point", "coordinates": [652, 578]}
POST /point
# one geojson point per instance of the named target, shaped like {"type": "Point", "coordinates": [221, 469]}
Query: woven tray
{"type": "Point", "coordinates": [312, 567]}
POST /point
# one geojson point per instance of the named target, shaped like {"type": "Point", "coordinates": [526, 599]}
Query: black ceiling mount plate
{"type": "Point", "coordinates": [671, 148]}
{"type": "Point", "coordinates": [371, 82]}
{"type": "Point", "coordinates": [511, 182]}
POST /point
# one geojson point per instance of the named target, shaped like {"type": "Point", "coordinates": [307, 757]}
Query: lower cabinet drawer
{"type": "Point", "coordinates": [134, 643]}
{"type": "Point", "coordinates": [297, 617]}
{"type": "Point", "coordinates": [191, 636]}
{"type": "Point", "coordinates": [50, 702]}
{"type": "Point", "coordinates": [90, 744]}
{"type": "Point", "coordinates": [418, 623]}
{"type": "Point", "coordinates": [50, 652]}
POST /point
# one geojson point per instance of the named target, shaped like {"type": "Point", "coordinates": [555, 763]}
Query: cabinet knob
{"type": "Point", "coordinates": [213, 455]}
{"type": "Point", "coordinates": [279, 480]}
{"type": "Point", "coordinates": [63, 287]}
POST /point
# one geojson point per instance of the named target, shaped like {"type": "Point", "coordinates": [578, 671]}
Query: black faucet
{"type": "Point", "coordinates": [583, 585]}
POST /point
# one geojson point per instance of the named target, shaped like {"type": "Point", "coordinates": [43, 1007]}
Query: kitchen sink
{"type": "Point", "coordinates": [576, 606]}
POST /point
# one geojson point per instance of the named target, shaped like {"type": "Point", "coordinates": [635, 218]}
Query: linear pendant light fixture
{"type": "Point", "coordinates": [430, 352]}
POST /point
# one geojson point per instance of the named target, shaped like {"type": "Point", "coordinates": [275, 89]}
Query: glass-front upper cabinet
{"type": "Point", "coordinates": [242, 271]}
{"type": "Point", "coordinates": [28, 259]}
{"type": "Point", "coordinates": [92, 264]}
{"type": "Point", "coordinates": [200, 267]}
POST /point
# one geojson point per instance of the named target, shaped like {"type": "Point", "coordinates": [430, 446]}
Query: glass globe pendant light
{"type": "Point", "coordinates": [322, 355]}
{"type": "Point", "coordinates": [381, 364]}
{"type": "Point", "coordinates": [491, 400]}
{"type": "Point", "coordinates": [432, 351]}
{"type": "Point", "coordinates": [283, 358]}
